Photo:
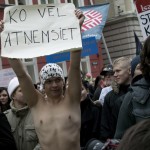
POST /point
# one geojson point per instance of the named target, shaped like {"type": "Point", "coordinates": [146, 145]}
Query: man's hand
{"type": "Point", "coordinates": [80, 16]}
{"type": "Point", "coordinates": [1, 25]}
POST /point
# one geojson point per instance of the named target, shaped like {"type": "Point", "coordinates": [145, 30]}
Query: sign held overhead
{"type": "Point", "coordinates": [38, 30]}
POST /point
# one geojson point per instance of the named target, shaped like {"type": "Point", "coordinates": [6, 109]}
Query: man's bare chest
{"type": "Point", "coordinates": [57, 118]}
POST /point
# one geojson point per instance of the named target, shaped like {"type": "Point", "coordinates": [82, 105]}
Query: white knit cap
{"type": "Point", "coordinates": [13, 84]}
{"type": "Point", "coordinates": [50, 70]}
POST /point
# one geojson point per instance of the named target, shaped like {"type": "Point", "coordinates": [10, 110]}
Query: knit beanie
{"type": "Point", "coordinates": [13, 84]}
{"type": "Point", "coordinates": [135, 61]}
{"type": "Point", "coordinates": [50, 70]}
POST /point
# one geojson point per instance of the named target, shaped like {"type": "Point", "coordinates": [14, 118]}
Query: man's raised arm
{"type": "Point", "coordinates": [74, 77]}
{"type": "Point", "coordinates": [29, 92]}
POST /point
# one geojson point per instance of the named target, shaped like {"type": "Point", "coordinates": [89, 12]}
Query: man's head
{"type": "Point", "coordinates": [107, 72]}
{"type": "Point", "coordinates": [52, 79]}
{"type": "Point", "coordinates": [15, 93]}
{"type": "Point", "coordinates": [145, 58]}
{"type": "Point", "coordinates": [136, 137]}
{"type": "Point", "coordinates": [122, 70]}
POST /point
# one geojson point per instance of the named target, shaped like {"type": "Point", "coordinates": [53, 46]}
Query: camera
{"type": "Point", "coordinates": [94, 144]}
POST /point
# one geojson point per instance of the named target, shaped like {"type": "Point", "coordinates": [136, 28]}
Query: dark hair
{"type": "Point", "coordinates": [6, 106]}
{"type": "Point", "coordinates": [145, 58]}
{"type": "Point", "coordinates": [3, 89]}
{"type": "Point", "coordinates": [85, 84]}
{"type": "Point", "coordinates": [137, 137]}
{"type": "Point", "coordinates": [98, 78]}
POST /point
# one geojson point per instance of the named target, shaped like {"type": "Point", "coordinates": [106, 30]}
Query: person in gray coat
{"type": "Point", "coordinates": [20, 118]}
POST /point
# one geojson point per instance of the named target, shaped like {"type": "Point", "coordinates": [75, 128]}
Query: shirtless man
{"type": "Point", "coordinates": [57, 117]}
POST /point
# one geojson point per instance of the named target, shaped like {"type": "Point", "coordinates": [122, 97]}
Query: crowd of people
{"type": "Point", "coordinates": [69, 113]}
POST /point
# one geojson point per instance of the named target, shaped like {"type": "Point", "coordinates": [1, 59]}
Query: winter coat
{"type": "Point", "coordinates": [90, 121]}
{"type": "Point", "coordinates": [7, 141]}
{"type": "Point", "coordinates": [22, 127]}
{"type": "Point", "coordinates": [110, 112]}
{"type": "Point", "coordinates": [135, 107]}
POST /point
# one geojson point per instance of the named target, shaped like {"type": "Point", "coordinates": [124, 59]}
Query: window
{"type": "Point", "coordinates": [64, 68]}
{"type": "Point", "coordinates": [50, 1]}
{"type": "Point", "coordinates": [73, 1]}
{"type": "Point", "coordinates": [11, 1]}
{"type": "Point", "coordinates": [32, 68]}
{"type": "Point", "coordinates": [28, 60]}
{"type": "Point", "coordinates": [85, 64]}
{"type": "Point", "coordinates": [21, 2]}
{"type": "Point", "coordinates": [47, 1]}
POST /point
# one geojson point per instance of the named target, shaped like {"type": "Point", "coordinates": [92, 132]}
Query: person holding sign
{"type": "Point", "coordinates": [57, 118]}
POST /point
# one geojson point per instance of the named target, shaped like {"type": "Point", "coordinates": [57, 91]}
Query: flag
{"type": "Point", "coordinates": [89, 48]}
{"type": "Point", "coordinates": [95, 19]}
{"type": "Point", "coordinates": [139, 45]}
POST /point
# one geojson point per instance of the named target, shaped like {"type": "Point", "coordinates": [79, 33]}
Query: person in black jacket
{"type": "Point", "coordinates": [90, 117]}
{"type": "Point", "coordinates": [122, 76]}
{"type": "Point", "coordinates": [107, 73]}
{"type": "Point", "coordinates": [6, 138]}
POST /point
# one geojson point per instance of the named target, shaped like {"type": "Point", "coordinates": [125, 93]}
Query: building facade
{"type": "Point", "coordinates": [119, 29]}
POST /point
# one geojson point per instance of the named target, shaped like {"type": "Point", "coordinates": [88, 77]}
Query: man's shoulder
{"type": "Point", "coordinates": [140, 91]}
{"type": "Point", "coordinates": [110, 94]}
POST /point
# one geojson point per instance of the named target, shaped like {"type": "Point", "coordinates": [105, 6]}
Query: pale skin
{"type": "Point", "coordinates": [57, 118]}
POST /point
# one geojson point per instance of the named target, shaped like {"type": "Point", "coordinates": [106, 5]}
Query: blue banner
{"type": "Point", "coordinates": [89, 48]}
{"type": "Point", "coordinates": [95, 19]}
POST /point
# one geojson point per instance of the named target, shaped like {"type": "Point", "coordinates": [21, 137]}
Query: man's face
{"type": "Point", "coordinates": [108, 78]}
{"type": "Point", "coordinates": [121, 73]}
{"type": "Point", "coordinates": [54, 87]}
{"type": "Point", "coordinates": [18, 96]}
{"type": "Point", "coordinates": [137, 70]}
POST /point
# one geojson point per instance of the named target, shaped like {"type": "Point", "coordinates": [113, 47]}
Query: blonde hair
{"type": "Point", "coordinates": [125, 61]}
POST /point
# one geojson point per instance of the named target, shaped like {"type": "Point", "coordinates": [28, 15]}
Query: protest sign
{"type": "Point", "coordinates": [5, 76]}
{"type": "Point", "coordinates": [143, 13]}
{"type": "Point", "coordinates": [89, 48]}
{"type": "Point", "coordinates": [38, 30]}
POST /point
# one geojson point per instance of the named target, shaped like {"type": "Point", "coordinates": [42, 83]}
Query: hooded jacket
{"type": "Point", "coordinates": [135, 107]}
{"type": "Point", "coordinates": [22, 127]}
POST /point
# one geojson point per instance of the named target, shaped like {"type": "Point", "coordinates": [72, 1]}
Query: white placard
{"type": "Point", "coordinates": [38, 30]}
{"type": "Point", "coordinates": [143, 13]}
